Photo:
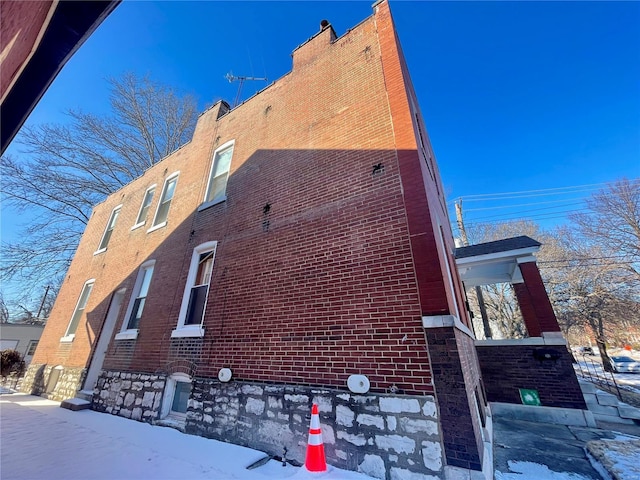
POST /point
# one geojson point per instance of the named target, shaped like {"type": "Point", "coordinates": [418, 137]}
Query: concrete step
{"type": "Point", "coordinates": [605, 398]}
{"type": "Point", "coordinates": [627, 411]}
{"type": "Point", "coordinates": [75, 404]}
{"type": "Point", "coordinates": [611, 419]}
{"type": "Point", "coordinates": [85, 395]}
{"type": "Point", "coordinates": [587, 387]}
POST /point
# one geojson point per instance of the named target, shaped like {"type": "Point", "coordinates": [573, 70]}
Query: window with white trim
{"type": "Point", "coordinates": [136, 304]}
{"type": "Point", "coordinates": [106, 236]}
{"type": "Point", "coordinates": [196, 292]}
{"type": "Point", "coordinates": [144, 207]}
{"type": "Point", "coordinates": [217, 186]}
{"type": "Point", "coordinates": [78, 311]}
{"type": "Point", "coordinates": [168, 190]}
{"type": "Point", "coordinates": [177, 391]}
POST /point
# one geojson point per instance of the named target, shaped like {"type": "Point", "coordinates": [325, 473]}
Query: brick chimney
{"type": "Point", "coordinates": [306, 53]}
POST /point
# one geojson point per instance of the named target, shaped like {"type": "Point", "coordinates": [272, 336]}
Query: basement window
{"type": "Point", "coordinates": [176, 399]}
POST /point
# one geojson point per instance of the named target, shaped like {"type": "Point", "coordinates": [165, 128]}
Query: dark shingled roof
{"type": "Point", "coordinates": [505, 245]}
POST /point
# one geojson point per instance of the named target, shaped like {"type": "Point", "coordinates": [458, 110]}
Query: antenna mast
{"type": "Point", "coordinates": [240, 79]}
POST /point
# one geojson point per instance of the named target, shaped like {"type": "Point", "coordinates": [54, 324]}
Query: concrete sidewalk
{"type": "Point", "coordinates": [40, 440]}
{"type": "Point", "coordinates": [562, 448]}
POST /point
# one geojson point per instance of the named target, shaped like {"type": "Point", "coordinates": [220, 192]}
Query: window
{"type": "Point", "coordinates": [144, 208]}
{"type": "Point", "coordinates": [217, 187]}
{"type": "Point", "coordinates": [196, 292]}
{"type": "Point", "coordinates": [165, 201]}
{"type": "Point", "coordinates": [78, 312]}
{"type": "Point", "coordinates": [177, 391]}
{"type": "Point", "coordinates": [31, 349]}
{"type": "Point", "coordinates": [181, 397]}
{"type": "Point", "coordinates": [138, 300]}
{"type": "Point", "coordinates": [106, 236]}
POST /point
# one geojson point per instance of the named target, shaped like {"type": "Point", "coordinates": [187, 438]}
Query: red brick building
{"type": "Point", "coordinates": [298, 240]}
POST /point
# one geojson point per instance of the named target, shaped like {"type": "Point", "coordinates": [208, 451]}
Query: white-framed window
{"type": "Point", "coordinates": [106, 236]}
{"type": "Point", "coordinates": [31, 349]}
{"type": "Point", "coordinates": [78, 312]}
{"type": "Point", "coordinates": [136, 304]}
{"type": "Point", "coordinates": [162, 212]}
{"type": "Point", "coordinates": [175, 401]}
{"type": "Point", "coordinates": [196, 292]}
{"type": "Point", "coordinates": [217, 186]}
{"type": "Point", "coordinates": [144, 207]}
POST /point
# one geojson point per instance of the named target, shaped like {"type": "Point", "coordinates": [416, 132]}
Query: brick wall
{"type": "Point", "coordinates": [332, 243]}
{"type": "Point", "coordinates": [320, 287]}
{"type": "Point", "coordinates": [455, 377]}
{"type": "Point", "coordinates": [508, 368]}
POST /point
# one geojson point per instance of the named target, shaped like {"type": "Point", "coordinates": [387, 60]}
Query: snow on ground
{"type": "Point", "coordinates": [40, 440]}
{"type": "Point", "coordinates": [535, 471]}
{"type": "Point", "coordinates": [593, 366]}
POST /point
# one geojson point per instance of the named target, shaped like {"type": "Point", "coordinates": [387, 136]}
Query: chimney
{"type": "Point", "coordinates": [307, 52]}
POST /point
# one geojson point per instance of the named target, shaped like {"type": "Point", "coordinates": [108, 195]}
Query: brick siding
{"type": "Point", "coordinates": [508, 368]}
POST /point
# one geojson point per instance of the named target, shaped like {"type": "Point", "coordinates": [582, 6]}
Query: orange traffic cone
{"type": "Point", "coordinates": [315, 461]}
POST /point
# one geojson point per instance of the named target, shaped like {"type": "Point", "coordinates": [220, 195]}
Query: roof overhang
{"type": "Point", "coordinates": [66, 27]}
{"type": "Point", "coordinates": [497, 266]}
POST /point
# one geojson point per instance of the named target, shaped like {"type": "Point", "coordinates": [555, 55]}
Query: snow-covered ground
{"type": "Point", "coordinates": [40, 440]}
{"type": "Point", "coordinates": [535, 471]}
{"type": "Point", "coordinates": [593, 366]}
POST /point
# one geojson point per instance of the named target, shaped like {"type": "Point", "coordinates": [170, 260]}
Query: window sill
{"type": "Point", "coordinates": [138, 225]}
{"type": "Point", "coordinates": [189, 331]}
{"type": "Point", "coordinates": [156, 227]}
{"type": "Point", "coordinates": [206, 205]}
{"type": "Point", "coordinates": [97, 252]}
{"type": "Point", "coordinates": [127, 335]}
{"type": "Point", "coordinates": [68, 338]}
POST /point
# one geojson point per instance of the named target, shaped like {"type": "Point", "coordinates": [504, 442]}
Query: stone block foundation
{"type": "Point", "coordinates": [52, 381]}
{"type": "Point", "coordinates": [385, 436]}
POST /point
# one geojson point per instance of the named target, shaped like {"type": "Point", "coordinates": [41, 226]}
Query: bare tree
{"type": "Point", "coordinates": [4, 310]}
{"type": "Point", "coordinates": [65, 169]}
{"type": "Point", "coordinates": [613, 222]}
{"type": "Point", "coordinates": [589, 288]}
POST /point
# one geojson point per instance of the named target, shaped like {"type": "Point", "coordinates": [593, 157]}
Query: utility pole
{"type": "Point", "coordinates": [465, 242]}
{"type": "Point", "coordinates": [46, 292]}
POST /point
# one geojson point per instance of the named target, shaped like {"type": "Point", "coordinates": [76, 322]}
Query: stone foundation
{"type": "Point", "coordinates": [37, 376]}
{"type": "Point", "coordinates": [131, 395]}
{"type": "Point", "coordinates": [385, 436]}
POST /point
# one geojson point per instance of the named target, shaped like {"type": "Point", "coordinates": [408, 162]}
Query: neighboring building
{"type": "Point", "coordinates": [21, 337]}
{"type": "Point", "coordinates": [38, 38]}
{"type": "Point", "coordinates": [297, 240]}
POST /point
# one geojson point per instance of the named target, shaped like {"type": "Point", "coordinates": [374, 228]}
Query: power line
{"type": "Point", "coordinates": [582, 258]}
{"type": "Point", "coordinates": [522, 205]}
{"type": "Point", "coordinates": [558, 190]}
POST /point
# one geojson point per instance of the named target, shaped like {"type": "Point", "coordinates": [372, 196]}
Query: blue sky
{"type": "Point", "coordinates": [516, 96]}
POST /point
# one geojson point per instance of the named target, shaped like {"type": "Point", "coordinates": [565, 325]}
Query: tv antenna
{"type": "Point", "coordinates": [240, 79]}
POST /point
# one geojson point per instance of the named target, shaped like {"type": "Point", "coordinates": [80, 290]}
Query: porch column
{"type": "Point", "coordinates": [533, 300]}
